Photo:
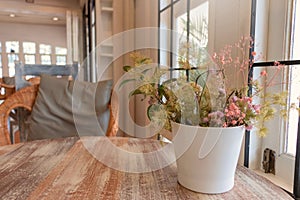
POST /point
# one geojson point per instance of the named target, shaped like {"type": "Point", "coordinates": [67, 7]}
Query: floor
{"type": "Point", "coordinates": [276, 180]}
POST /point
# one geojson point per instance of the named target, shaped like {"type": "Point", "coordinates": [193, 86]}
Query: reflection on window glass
{"type": "Point", "coordinates": [294, 86]}
{"type": "Point", "coordinates": [29, 48]}
{"type": "Point", "coordinates": [12, 47]}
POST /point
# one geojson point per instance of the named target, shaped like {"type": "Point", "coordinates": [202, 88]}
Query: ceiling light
{"type": "Point", "coordinates": [12, 15]}
{"type": "Point", "coordinates": [55, 18]}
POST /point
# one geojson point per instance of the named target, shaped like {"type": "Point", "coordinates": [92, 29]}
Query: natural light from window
{"type": "Point", "coordinates": [45, 53]}
{"type": "Point", "coordinates": [294, 85]}
{"type": "Point", "coordinates": [12, 50]}
{"type": "Point", "coordinates": [29, 50]}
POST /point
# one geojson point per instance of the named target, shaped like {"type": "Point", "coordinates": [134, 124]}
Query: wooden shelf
{"type": "Point", "coordinates": [107, 45]}
{"type": "Point", "coordinates": [107, 55]}
{"type": "Point", "coordinates": [107, 9]}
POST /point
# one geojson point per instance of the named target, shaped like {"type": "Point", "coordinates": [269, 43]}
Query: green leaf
{"type": "Point", "coordinates": [148, 112]}
{"type": "Point", "coordinates": [145, 71]}
{"type": "Point", "coordinates": [135, 92]}
{"type": "Point", "coordinates": [171, 80]}
{"type": "Point", "coordinates": [201, 79]}
{"type": "Point", "coordinates": [125, 81]}
{"type": "Point", "coordinates": [142, 61]}
{"type": "Point", "coordinates": [126, 68]}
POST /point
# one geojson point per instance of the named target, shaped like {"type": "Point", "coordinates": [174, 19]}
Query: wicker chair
{"type": "Point", "coordinates": [25, 98]}
{"type": "Point", "coordinates": [7, 89]}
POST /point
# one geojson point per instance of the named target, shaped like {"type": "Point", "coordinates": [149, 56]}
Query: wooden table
{"type": "Point", "coordinates": [64, 169]}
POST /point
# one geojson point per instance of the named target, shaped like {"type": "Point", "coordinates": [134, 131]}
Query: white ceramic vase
{"type": "Point", "coordinates": [207, 156]}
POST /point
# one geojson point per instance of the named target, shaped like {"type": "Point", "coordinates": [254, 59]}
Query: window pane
{"type": "Point", "coordinates": [294, 84]}
{"type": "Point", "coordinates": [29, 59]}
{"type": "Point", "coordinates": [165, 37]}
{"type": "Point", "coordinates": [61, 60]}
{"type": "Point", "coordinates": [12, 47]}
{"type": "Point", "coordinates": [199, 24]}
{"type": "Point", "coordinates": [45, 59]}
{"type": "Point", "coordinates": [11, 59]}
{"type": "Point", "coordinates": [45, 49]}
{"type": "Point", "coordinates": [164, 3]}
{"type": "Point", "coordinates": [11, 63]}
{"type": "Point", "coordinates": [60, 51]}
{"type": "Point", "coordinates": [29, 48]}
{"type": "Point", "coordinates": [11, 71]}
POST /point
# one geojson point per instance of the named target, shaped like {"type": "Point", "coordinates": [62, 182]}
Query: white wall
{"type": "Point", "coordinates": [54, 35]}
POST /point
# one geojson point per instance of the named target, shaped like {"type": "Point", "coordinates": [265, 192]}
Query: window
{"type": "Point", "coordinates": [61, 55]}
{"type": "Point", "coordinates": [12, 50]}
{"type": "Point", "coordinates": [189, 20]}
{"type": "Point", "coordinates": [45, 53]}
{"type": "Point", "coordinates": [29, 50]}
{"type": "Point", "coordinates": [294, 77]}
{"type": "Point", "coordinates": [28, 53]}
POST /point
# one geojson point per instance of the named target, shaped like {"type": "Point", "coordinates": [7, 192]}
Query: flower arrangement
{"type": "Point", "coordinates": [207, 99]}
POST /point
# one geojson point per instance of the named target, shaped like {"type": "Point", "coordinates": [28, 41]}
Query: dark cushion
{"type": "Point", "coordinates": [53, 115]}
{"type": "Point", "coordinates": [8, 80]}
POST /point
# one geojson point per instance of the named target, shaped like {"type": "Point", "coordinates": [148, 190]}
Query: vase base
{"type": "Point", "coordinates": [207, 187]}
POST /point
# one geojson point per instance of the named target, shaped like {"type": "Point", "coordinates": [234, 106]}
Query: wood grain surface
{"type": "Point", "coordinates": [64, 169]}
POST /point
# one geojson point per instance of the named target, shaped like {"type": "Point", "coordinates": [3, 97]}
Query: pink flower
{"type": "Point", "coordinates": [257, 108]}
{"type": "Point", "coordinates": [233, 122]}
{"type": "Point", "coordinates": [249, 127]}
{"type": "Point", "coordinates": [234, 98]}
{"type": "Point", "coordinates": [263, 73]}
{"type": "Point", "coordinates": [220, 114]}
{"type": "Point", "coordinates": [205, 120]}
{"type": "Point", "coordinates": [222, 91]}
{"type": "Point", "coordinates": [237, 112]}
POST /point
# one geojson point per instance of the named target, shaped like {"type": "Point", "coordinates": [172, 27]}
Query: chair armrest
{"type": "Point", "coordinates": [112, 128]}
{"type": "Point", "coordinates": [8, 90]}
{"type": "Point", "coordinates": [23, 98]}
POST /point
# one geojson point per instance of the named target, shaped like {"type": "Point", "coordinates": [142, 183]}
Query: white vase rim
{"type": "Point", "coordinates": [208, 127]}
